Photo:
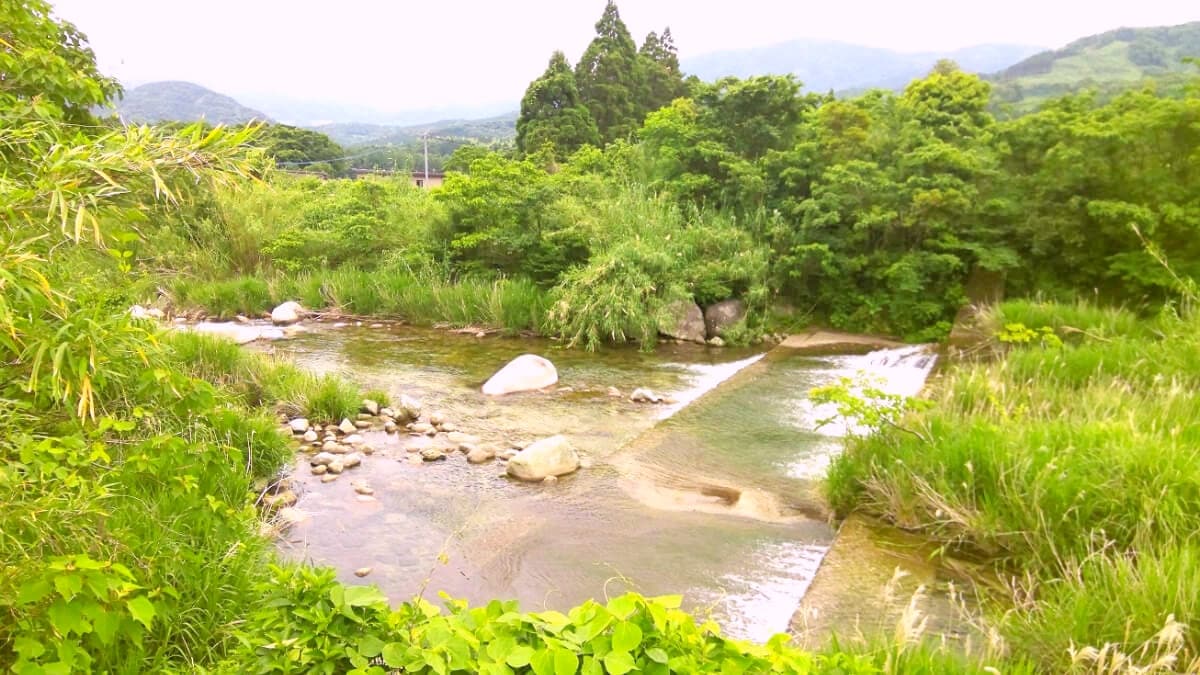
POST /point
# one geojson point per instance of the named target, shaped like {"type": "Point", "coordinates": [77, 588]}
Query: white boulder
{"type": "Point", "coordinates": [554, 456]}
{"type": "Point", "coordinates": [286, 314]}
{"type": "Point", "coordinates": [524, 373]}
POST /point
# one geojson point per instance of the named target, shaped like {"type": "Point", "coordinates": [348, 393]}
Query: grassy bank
{"type": "Point", "coordinates": [1073, 461]}
{"type": "Point", "coordinates": [422, 299]}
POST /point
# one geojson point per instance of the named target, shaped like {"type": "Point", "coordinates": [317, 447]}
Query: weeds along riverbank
{"type": "Point", "coordinates": [1072, 461]}
{"type": "Point", "coordinates": [513, 305]}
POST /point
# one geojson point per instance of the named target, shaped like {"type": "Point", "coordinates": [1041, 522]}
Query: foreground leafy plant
{"type": "Point", "coordinates": [310, 623]}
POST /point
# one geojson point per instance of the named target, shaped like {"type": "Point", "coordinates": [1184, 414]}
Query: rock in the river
{"type": "Point", "coordinates": [437, 418]}
{"type": "Point", "coordinates": [363, 489]}
{"type": "Point", "coordinates": [370, 407]}
{"type": "Point", "coordinates": [156, 313]}
{"type": "Point", "coordinates": [286, 314]}
{"type": "Point", "coordinates": [722, 315]}
{"type": "Point", "coordinates": [138, 312]}
{"type": "Point", "coordinates": [683, 320]}
{"type": "Point", "coordinates": [458, 438]}
{"type": "Point", "coordinates": [299, 425]}
{"type": "Point", "coordinates": [524, 373]}
{"type": "Point", "coordinates": [354, 439]}
{"type": "Point", "coordinates": [422, 428]}
{"type": "Point", "coordinates": [432, 455]}
{"type": "Point", "coordinates": [362, 571]}
{"type": "Point", "coordinates": [280, 499]}
{"type": "Point", "coordinates": [346, 426]}
{"type": "Point", "coordinates": [716, 341]}
{"type": "Point", "coordinates": [352, 460]}
{"type": "Point", "coordinates": [448, 427]}
{"type": "Point", "coordinates": [362, 424]}
{"type": "Point", "coordinates": [333, 447]}
{"type": "Point", "coordinates": [550, 480]}
{"type": "Point", "coordinates": [310, 436]}
{"type": "Point", "coordinates": [507, 454]}
{"type": "Point", "coordinates": [322, 458]}
{"type": "Point", "coordinates": [319, 470]}
{"type": "Point", "coordinates": [408, 410]}
{"type": "Point", "coordinates": [389, 426]}
{"type": "Point", "coordinates": [644, 395]}
{"type": "Point", "coordinates": [329, 478]}
{"type": "Point", "coordinates": [480, 455]}
{"type": "Point", "coordinates": [292, 516]}
{"type": "Point", "coordinates": [552, 456]}
{"type": "Point", "coordinates": [387, 412]}
{"type": "Point", "coordinates": [613, 392]}
{"type": "Point", "coordinates": [336, 466]}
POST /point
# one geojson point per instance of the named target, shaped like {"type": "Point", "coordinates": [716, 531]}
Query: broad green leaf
{"type": "Point", "coordinates": [363, 596]}
{"type": "Point", "coordinates": [66, 618]}
{"type": "Point", "coordinates": [393, 654]}
{"type": "Point", "coordinates": [657, 655]}
{"type": "Point", "coordinates": [626, 637]}
{"type": "Point", "coordinates": [623, 606]}
{"type": "Point", "coordinates": [33, 592]}
{"type": "Point", "coordinates": [105, 625]}
{"type": "Point", "coordinates": [565, 662]}
{"type": "Point", "coordinates": [542, 662]}
{"type": "Point", "coordinates": [370, 646]}
{"type": "Point", "coordinates": [619, 663]}
{"type": "Point", "coordinates": [142, 610]}
{"type": "Point", "coordinates": [519, 656]}
{"type": "Point", "coordinates": [68, 585]}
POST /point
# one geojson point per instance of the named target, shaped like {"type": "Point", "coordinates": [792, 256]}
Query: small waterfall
{"type": "Point", "coordinates": [901, 371]}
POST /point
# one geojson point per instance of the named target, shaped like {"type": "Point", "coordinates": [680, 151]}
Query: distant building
{"type": "Point", "coordinates": [431, 180]}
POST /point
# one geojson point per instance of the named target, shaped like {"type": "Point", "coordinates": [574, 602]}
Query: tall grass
{"type": "Point", "coordinates": [1078, 466]}
{"type": "Point", "coordinates": [418, 298]}
{"type": "Point", "coordinates": [259, 381]}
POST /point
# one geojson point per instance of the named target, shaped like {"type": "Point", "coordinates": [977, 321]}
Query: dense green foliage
{"type": "Point", "coordinates": [1086, 486]}
{"type": "Point", "coordinates": [293, 147]}
{"type": "Point", "coordinates": [134, 460]}
{"type": "Point", "coordinates": [552, 112]}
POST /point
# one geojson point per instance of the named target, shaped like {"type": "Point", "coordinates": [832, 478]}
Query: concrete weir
{"type": "Point", "coordinates": [750, 450]}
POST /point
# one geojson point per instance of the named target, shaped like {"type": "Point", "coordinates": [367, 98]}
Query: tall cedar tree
{"type": "Point", "coordinates": [610, 78]}
{"type": "Point", "coordinates": [552, 112]}
{"type": "Point", "coordinates": [660, 64]}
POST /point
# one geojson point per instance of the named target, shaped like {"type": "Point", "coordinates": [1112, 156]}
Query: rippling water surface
{"type": "Point", "coordinates": [713, 496]}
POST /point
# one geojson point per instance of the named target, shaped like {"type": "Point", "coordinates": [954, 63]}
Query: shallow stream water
{"type": "Point", "coordinates": [713, 497]}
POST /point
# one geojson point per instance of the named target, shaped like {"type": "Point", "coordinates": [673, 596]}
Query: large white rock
{"type": "Point", "coordinates": [286, 314]}
{"type": "Point", "coordinates": [554, 456]}
{"type": "Point", "coordinates": [237, 332]}
{"type": "Point", "coordinates": [527, 372]}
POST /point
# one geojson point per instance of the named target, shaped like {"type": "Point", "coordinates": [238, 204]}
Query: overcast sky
{"type": "Point", "coordinates": [401, 54]}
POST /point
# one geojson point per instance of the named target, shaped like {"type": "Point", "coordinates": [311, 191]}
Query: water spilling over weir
{"type": "Point", "coordinates": [715, 497]}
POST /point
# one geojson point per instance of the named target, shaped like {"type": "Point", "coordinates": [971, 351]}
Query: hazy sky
{"type": "Point", "coordinates": [400, 54]}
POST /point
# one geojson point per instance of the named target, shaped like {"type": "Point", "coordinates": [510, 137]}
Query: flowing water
{"type": "Point", "coordinates": [713, 496]}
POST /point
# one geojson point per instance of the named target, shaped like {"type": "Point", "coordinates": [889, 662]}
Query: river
{"type": "Point", "coordinates": [714, 497]}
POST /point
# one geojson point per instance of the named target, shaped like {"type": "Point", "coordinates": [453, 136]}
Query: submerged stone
{"type": "Point", "coordinates": [554, 456]}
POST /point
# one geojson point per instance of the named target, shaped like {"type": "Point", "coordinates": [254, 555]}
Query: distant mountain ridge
{"type": "Point", "coordinates": [823, 65]}
{"type": "Point", "coordinates": [498, 127]}
{"type": "Point", "coordinates": [175, 101]}
{"type": "Point", "coordinates": [1107, 62]}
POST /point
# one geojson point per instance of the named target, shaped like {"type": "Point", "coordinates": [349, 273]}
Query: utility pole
{"type": "Point", "coordinates": [426, 137]}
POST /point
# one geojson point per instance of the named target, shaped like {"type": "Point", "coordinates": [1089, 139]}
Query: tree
{"type": "Point", "coordinates": [552, 112]}
{"type": "Point", "coordinates": [303, 148]}
{"type": "Point", "coordinates": [660, 64]}
{"type": "Point", "coordinates": [46, 60]}
{"type": "Point", "coordinates": [610, 79]}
